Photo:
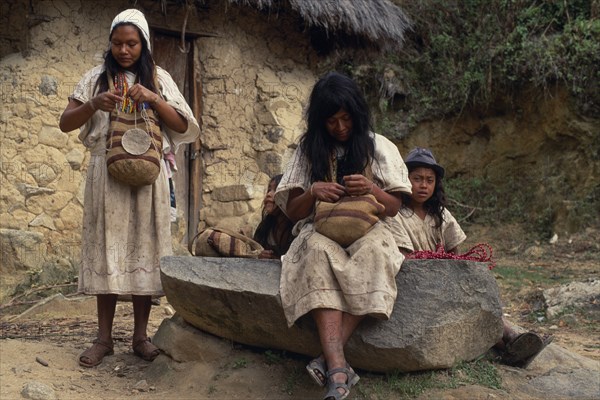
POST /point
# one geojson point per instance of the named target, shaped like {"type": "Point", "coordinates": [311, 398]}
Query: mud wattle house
{"type": "Point", "coordinates": [245, 66]}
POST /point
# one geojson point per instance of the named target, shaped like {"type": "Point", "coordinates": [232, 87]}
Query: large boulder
{"type": "Point", "coordinates": [446, 311]}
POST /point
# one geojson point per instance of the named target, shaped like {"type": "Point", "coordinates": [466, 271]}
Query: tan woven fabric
{"type": "Point", "coordinates": [126, 230]}
{"type": "Point", "coordinates": [319, 273]}
{"type": "Point", "coordinates": [348, 219]}
{"type": "Point", "coordinates": [125, 159]}
{"type": "Point", "coordinates": [221, 242]}
{"type": "Point", "coordinates": [413, 234]}
{"type": "Point", "coordinates": [134, 170]}
{"type": "Point", "coordinates": [360, 280]}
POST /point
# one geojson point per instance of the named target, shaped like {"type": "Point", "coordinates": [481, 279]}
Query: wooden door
{"type": "Point", "coordinates": [166, 51]}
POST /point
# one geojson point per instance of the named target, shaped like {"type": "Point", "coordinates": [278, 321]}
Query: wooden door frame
{"type": "Point", "coordinates": [195, 103]}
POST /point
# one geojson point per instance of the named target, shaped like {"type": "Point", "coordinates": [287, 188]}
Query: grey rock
{"type": "Point", "coordinates": [43, 220]}
{"type": "Point", "coordinates": [38, 391]}
{"type": "Point", "coordinates": [48, 85]}
{"type": "Point", "coordinates": [233, 193]}
{"type": "Point", "coordinates": [270, 162]}
{"type": "Point", "coordinates": [446, 311]}
{"type": "Point", "coordinates": [56, 271]}
{"type": "Point", "coordinates": [53, 137]}
{"type": "Point", "coordinates": [29, 190]}
{"type": "Point", "coordinates": [563, 383]}
{"type": "Point", "coordinates": [142, 386]}
{"type": "Point", "coordinates": [21, 249]}
{"type": "Point", "coordinates": [75, 158]}
{"type": "Point", "coordinates": [584, 295]}
{"type": "Point", "coordinates": [560, 374]}
{"type": "Point", "coordinates": [185, 343]}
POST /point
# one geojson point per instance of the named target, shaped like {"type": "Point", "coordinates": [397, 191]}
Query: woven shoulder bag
{"type": "Point", "coordinates": [222, 242]}
{"type": "Point", "coordinates": [133, 144]}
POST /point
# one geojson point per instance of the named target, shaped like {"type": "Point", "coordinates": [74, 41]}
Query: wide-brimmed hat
{"type": "Point", "coordinates": [421, 157]}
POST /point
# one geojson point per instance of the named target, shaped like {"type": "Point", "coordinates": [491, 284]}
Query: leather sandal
{"type": "Point", "coordinates": [317, 367]}
{"type": "Point", "coordinates": [332, 387]}
{"type": "Point", "coordinates": [522, 350]}
{"type": "Point", "coordinates": [144, 349]}
{"type": "Point", "coordinates": [95, 354]}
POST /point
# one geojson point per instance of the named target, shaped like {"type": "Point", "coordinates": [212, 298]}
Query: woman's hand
{"type": "Point", "coordinates": [142, 95]}
{"type": "Point", "coordinates": [106, 101]}
{"type": "Point", "coordinates": [329, 192]}
{"type": "Point", "coordinates": [166, 113]}
{"type": "Point", "coordinates": [358, 185]}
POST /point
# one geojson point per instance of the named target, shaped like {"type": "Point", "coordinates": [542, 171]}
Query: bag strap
{"type": "Point", "coordinates": [254, 245]}
{"type": "Point", "coordinates": [191, 243]}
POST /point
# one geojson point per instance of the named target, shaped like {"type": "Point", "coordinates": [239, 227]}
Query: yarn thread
{"type": "Point", "coordinates": [481, 252]}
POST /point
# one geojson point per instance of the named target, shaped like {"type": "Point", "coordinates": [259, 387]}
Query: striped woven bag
{"type": "Point", "coordinates": [222, 242]}
{"type": "Point", "coordinates": [134, 146]}
{"type": "Point", "coordinates": [348, 219]}
{"type": "Point", "coordinates": [351, 217]}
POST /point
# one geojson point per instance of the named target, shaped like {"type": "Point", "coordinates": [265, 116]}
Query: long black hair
{"type": "Point", "coordinates": [333, 92]}
{"type": "Point", "coordinates": [436, 204]}
{"type": "Point", "coordinates": [144, 66]}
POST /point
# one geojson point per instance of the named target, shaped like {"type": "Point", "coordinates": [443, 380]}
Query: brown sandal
{"type": "Point", "coordinates": [96, 353]}
{"type": "Point", "coordinates": [145, 349]}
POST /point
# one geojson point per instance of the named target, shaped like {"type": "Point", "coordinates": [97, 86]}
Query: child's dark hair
{"type": "Point", "coordinates": [436, 204]}
{"type": "Point", "coordinates": [145, 65]}
{"type": "Point", "coordinates": [269, 223]}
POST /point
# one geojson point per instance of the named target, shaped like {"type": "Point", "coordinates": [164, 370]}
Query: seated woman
{"type": "Point", "coordinates": [274, 232]}
{"type": "Point", "coordinates": [338, 286]}
{"type": "Point", "coordinates": [424, 222]}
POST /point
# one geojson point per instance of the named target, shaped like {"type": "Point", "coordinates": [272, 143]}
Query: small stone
{"type": "Point", "coordinates": [38, 391]}
{"type": "Point", "coordinates": [141, 386]}
{"type": "Point", "coordinates": [169, 311]}
{"type": "Point", "coordinates": [41, 361]}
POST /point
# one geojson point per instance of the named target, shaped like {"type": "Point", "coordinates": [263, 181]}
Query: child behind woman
{"type": "Point", "coordinates": [423, 223]}
{"type": "Point", "coordinates": [274, 232]}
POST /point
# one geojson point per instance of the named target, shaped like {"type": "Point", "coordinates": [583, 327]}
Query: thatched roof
{"type": "Point", "coordinates": [378, 20]}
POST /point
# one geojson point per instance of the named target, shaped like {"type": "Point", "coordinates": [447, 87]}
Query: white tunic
{"type": "Point", "coordinates": [414, 234]}
{"type": "Point", "coordinates": [318, 273]}
{"type": "Point", "coordinates": [126, 230]}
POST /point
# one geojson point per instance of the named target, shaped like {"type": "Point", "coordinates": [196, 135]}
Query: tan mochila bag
{"type": "Point", "coordinates": [133, 144]}
{"type": "Point", "coordinates": [222, 242]}
{"type": "Point", "coordinates": [351, 217]}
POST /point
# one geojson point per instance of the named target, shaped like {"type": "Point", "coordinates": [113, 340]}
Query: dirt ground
{"type": "Point", "coordinates": [43, 347]}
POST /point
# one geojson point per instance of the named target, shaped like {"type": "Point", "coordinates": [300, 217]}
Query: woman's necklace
{"type": "Point", "coordinates": [128, 105]}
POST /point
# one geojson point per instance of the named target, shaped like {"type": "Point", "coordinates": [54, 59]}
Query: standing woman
{"type": "Point", "coordinates": [339, 156]}
{"type": "Point", "coordinates": [126, 229]}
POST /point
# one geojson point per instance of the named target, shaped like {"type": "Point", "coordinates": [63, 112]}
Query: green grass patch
{"type": "Point", "coordinates": [292, 381]}
{"type": "Point", "coordinates": [479, 372]}
{"type": "Point", "coordinates": [240, 363]}
{"type": "Point", "coordinates": [518, 277]}
{"type": "Point", "coordinates": [273, 357]}
{"type": "Point", "coordinates": [411, 385]}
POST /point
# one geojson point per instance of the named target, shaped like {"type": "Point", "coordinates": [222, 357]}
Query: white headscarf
{"type": "Point", "coordinates": [135, 17]}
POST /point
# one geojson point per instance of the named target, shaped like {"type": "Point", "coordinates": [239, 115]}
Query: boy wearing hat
{"type": "Point", "coordinates": [423, 223]}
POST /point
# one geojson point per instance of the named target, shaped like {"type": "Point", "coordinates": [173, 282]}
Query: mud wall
{"type": "Point", "coordinates": [256, 71]}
